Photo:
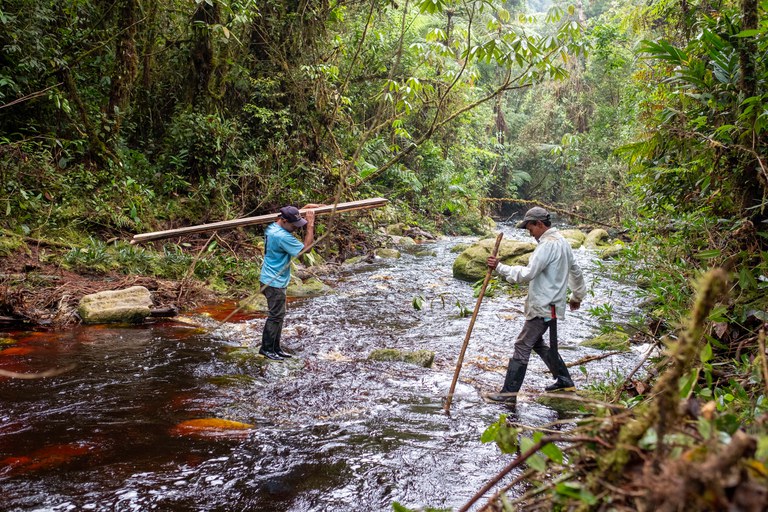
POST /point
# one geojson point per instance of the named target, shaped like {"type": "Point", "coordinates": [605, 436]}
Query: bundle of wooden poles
{"type": "Point", "coordinates": [363, 204]}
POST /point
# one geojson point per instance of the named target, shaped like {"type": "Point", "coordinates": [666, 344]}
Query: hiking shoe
{"type": "Point", "coordinates": [270, 355]}
{"type": "Point", "coordinates": [502, 398]}
{"type": "Point", "coordinates": [561, 385]}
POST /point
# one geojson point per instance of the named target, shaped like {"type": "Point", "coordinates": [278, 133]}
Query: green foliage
{"type": "Point", "coordinates": [502, 434]}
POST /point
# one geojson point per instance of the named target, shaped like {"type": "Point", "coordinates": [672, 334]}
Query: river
{"type": "Point", "coordinates": [331, 429]}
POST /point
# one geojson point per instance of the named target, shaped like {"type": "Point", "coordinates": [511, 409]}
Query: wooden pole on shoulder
{"type": "Point", "coordinates": [449, 398]}
{"type": "Point", "coordinates": [261, 219]}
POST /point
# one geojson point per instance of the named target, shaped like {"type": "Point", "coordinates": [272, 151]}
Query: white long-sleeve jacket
{"type": "Point", "coordinates": [551, 270]}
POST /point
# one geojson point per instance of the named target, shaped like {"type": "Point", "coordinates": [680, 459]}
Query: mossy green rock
{"type": "Point", "coordinates": [256, 303]}
{"type": "Point", "coordinates": [574, 237]}
{"type": "Point", "coordinates": [470, 265]}
{"type": "Point", "coordinates": [387, 253]}
{"type": "Point", "coordinates": [561, 403]}
{"type": "Point", "coordinates": [596, 238]}
{"type": "Point", "coordinates": [615, 340]}
{"type": "Point", "coordinates": [354, 260]}
{"type": "Point", "coordinates": [611, 251]}
{"type": "Point", "coordinates": [396, 229]}
{"type": "Point", "coordinates": [402, 241]}
{"type": "Point", "coordinates": [311, 287]}
{"type": "Point", "coordinates": [423, 358]}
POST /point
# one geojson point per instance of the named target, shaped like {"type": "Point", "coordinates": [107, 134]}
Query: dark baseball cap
{"type": "Point", "coordinates": [532, 215]}
{"type": "Point", "coordinates": [292, 215]}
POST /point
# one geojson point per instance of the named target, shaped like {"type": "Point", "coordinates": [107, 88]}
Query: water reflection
{"type": "Point", "coordinates": [331, 429]}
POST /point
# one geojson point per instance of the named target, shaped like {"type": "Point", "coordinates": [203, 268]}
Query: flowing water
{"type": "Point", "coordinates": [331, 430]}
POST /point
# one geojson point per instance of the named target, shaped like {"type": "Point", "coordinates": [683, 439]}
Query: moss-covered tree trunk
{"type": "Point", "coordinates": [125, 71]}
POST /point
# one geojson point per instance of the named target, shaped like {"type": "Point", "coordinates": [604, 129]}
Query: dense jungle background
{"type": "Point", "coordinates": [128, 116]}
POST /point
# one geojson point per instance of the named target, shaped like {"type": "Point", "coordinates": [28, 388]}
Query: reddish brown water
{"type": "Point", "coordinates": [166, 417]}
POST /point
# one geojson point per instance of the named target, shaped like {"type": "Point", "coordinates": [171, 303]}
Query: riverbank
{"type": "Point", "coordinates": [37, 289]}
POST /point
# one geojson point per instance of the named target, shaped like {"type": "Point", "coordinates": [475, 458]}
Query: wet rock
{"type": "Point", "coordinates": [396, 229]}
{"type": "Point", "coordinates": [418, 234]}
{"type": "Point", "coordinates": [237, 380]}
{"type": "Point", "coordinates": [611, 251]}
{"type": "Point", "coordinates": [401, 241]}
{"type": "Point", "coordinates": [423, 358]}
{"type": "Point", "coordinates": [299, 288]}
{"type": "Point", "coordinates": [311, 287]}
{"type": "Point", "coordinates": [256, 303]}
{"type": "Point", "coordinates": [615, 340]}
{"type": "Point", "coordinates": [131, 305]}
{"type": "Point", "coordinates": [562, 403]}
{"type": "Point", "coordinates": [387, 253]}
{"type": "Point", "coordinates": [357, 259]}
{"type": "Point", "coordinates": [596, 238]}
{"type": "Point", "coordinates": [470, 265]}
{"type": "Point", "coordinates": [575, 237]}
{"type": "Point", "coordinates": [460, 248]}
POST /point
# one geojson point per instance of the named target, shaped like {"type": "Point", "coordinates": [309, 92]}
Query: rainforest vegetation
{"type": "Point", "coordinates": [131, 116]}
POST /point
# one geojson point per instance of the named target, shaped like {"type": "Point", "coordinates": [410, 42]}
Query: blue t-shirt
{"type": "Point", "coordinates": [279, 247]}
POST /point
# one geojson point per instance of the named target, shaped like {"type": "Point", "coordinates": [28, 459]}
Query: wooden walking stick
{"type": "Point", "coordinates": [449, 398]}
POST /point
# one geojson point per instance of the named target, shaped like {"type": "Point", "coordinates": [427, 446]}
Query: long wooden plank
{"type": "Point", "coordinates": [363, 204]}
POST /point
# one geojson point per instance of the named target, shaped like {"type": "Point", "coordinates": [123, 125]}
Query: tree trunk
{"type": "Point", "coordinates": [126, 69]}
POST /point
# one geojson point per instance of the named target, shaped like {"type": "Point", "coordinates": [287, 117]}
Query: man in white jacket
{"type": "Point", "coordinates": [551, 270]}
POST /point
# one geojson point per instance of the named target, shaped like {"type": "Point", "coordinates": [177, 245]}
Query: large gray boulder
{"type": "Point", "coordinates": [131, 305]}
{"type": "Point", "coordinates": [470, 264]}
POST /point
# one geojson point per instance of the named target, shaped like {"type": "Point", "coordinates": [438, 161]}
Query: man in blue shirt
{"type": "Point", "coordinates": [279, 247]}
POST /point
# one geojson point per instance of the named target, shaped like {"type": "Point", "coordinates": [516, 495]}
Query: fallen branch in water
{"type": "Point", "coordinates": [593, 358]}
{"type": "Point", "coordinates": [41, 375]}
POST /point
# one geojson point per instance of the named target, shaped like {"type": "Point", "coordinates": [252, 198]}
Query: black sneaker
{"type": "Point", "coordinates": [502, 398]}
{"type": "Point", "coordinates": [270, 355]}
{"type": "Point", "coordinates": [561, 385]}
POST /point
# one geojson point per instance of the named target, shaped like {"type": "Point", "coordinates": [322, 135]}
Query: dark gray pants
{"type": "Point", "coordinates": [273, 328]}
{"type": "Point", "coordinates": [531, 338]}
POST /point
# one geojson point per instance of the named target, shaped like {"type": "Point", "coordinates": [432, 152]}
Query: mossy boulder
{"type": "Point", "coordinates": [575, 237]}
{"type": "Point", "coordinates": [423, 358]}
{"type": "Point", "coordinates": [470, 224]}
{"type": "Point", "coordinates": [562, 403]}
{"type": "Point", "coordinates": [470, 265]}
{"type": "Point", "coordinates": [401, 241]}
{"type": "Point", "coordinates": [387, 253]}
{"type": "Point", "coordinates": [298, 288]}
{"type": "Point", "coordinates": [354, 260]}
{"type": "Point", "coordinates": [615, 340]}
{"type": "Point", "coordinates": [596, 238]}
{"type": "Point", "coordinates": [256, 303]}
{"type": "Point", "coordinates": [396, 229]}
{"type": "Point", "coordinates": [311, 287]}
{"type": "Point", "coordinates": [611, 251]}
